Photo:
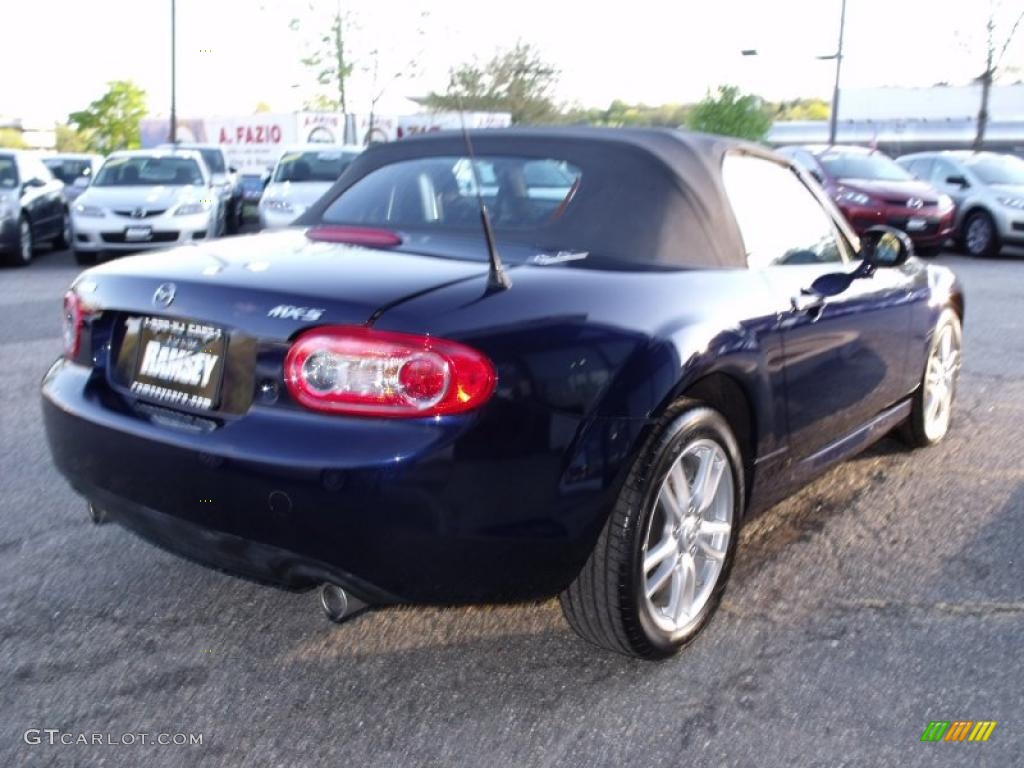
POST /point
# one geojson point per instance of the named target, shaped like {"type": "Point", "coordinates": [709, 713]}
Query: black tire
{"type": "Point", "coordinates": [605, 604]}
{"type": "Point", "coordinates": [234, 217]}
{"type": "Point", "coordinates": [63, 240]}
{"type": "Point", "coordinates": [914, 431]}
{"type": "Point", "coordinates": [85, 258]}
{"type": "Point", "coordinates": [985, 247]}
{"type": "Point", "coordinates": [20, 255]}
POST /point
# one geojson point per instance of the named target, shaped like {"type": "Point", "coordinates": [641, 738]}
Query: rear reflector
{"type": "Point", "coordinates": [72, 318]}
{"type": "Point", "coordinates": [368, 236]}
{"type": "Point", "coordinates": [363, 372]}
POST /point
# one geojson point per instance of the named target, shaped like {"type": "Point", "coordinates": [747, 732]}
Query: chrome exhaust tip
{"type": "Point", "coordinates": [338, 604]}
{"type": "Point", "coordinates": [97, 516]}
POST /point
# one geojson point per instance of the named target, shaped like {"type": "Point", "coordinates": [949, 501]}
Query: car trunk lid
{"type": "Point", "coordinates": [270, 285]}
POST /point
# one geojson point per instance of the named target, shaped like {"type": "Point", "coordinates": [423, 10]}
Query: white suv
{"type": "Point", "coordinates": [988, 188]}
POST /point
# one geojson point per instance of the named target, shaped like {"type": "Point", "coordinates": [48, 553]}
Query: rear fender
{"type": "Point", "coordinates": [656, 376]}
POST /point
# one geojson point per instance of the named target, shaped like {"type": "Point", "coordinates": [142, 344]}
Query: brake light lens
{"type": "Point", "coordinates": [363, 372]}
{"type": "Point", "coordinates": [368, 236]}
{"type": "Point", "coordinates": [72, 319]}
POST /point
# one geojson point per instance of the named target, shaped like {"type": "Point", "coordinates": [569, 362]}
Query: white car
{"type": "Point", "coordinates": [144, 199]}
{"type": "Point", "coordinates": [301, 176]}
{"type": "Point", "coordinates": [75, 170]}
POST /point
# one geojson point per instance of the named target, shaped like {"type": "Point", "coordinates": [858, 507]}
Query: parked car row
{"type": "Point", "coordinates": [977, 198]}
{"type": "Point", "coordinates": [183, 192]}
{"type": "Point", "coordinates": [127, 201]}
{"type": "Point", "coordinates": [139, 199]}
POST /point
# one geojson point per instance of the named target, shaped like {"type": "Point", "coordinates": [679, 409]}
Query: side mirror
{"type": "Point", "coordinates": [232, 169]}
{"type": "Point", "coordinates": [959, 181]}
{"type": "Point", "coordinates": [879, 247]}
{"type": "Point", "coordinates": [885, 247]}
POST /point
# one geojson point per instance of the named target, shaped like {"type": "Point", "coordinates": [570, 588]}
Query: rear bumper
{"type": "Point", "coordinates": [402, 512]}
{"type": "Point", "coordinates": [248, 558]}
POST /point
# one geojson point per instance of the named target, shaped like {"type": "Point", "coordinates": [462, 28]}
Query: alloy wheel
{"type": "Point", "coordinates": [688, 536]}
{"type": "Point", "coordinates": [940, 383]}
{"type": "Point", "coordinates": [979, 235]}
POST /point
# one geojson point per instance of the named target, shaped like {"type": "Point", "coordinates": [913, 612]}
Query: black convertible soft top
{"type": "Point", "coordinates": [652, 196]}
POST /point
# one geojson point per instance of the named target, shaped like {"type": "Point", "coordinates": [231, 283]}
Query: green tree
{"type": "Point", "coordinates": [70, 140]}
{"type": "Point", "coordinates": [619, 114]}
{"type": "Point", "coordinates": [112, 121]}
{"type": "Point", "coordinates": [11, 138]}
{"type": "Point", "coordinates": [330, 60]}
{"type": "Point", "coordinates": [801, 109]}
{"type": "Point", "coordinates": [731, 113]}
{"type": "Point", "coordinates": [517, 81]}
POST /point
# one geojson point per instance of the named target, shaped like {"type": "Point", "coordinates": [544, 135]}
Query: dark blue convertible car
{"type": "Point", "coordinates": [500, 366]}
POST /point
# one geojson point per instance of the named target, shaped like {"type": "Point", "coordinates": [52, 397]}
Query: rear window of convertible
{"type": "Point", "coordinates": [522, 194]}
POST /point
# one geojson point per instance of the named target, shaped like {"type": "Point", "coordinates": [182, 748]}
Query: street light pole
{"type": "Point", "coordinates": [834, 116]}
{"type": "Point", "coordinates": [173, 136]}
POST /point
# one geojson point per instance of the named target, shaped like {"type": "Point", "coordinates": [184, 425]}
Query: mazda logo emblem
{"type": "Point", "coordinates": [164, 295]}
{"type": "Point", "coordinates": [915, 202]}
{"type": "Point", "coordinates": [139, 213]}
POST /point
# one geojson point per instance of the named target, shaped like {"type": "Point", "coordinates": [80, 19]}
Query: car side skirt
{"type": "Point", "coordinates": [802, 471]}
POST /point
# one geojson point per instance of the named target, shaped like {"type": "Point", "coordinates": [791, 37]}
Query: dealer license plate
{"type": "Point", "coordinates": [179, 363]}
{"type": "Point", "coordinates": [138, 234]}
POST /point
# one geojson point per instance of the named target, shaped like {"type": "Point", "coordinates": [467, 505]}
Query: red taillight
{"type": "Point", "coordinates": [72, 319]}
{"type": "Point", "coordinates": [368, 236]}
{"type": "Point", "coordinates": [363, 372]}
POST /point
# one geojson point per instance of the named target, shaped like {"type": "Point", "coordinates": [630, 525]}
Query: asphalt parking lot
{"type": "Point", "coordinates": [888, 594]}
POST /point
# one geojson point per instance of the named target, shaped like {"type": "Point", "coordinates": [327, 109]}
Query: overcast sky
{"type": "Point", "coordinates": [56, 55]}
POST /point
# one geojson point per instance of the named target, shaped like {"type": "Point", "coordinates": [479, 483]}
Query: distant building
{"type": "Point", "coordinates": [901, 120]}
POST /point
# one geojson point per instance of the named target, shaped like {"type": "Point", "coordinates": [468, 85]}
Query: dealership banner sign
{"type": "Point", "coordinates": [255, 142]}
{"type": "Point", "coordinates": [249, 142]}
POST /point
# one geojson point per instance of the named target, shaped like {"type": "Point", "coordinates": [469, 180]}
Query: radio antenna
{"type": "Point", "coordinates": [497, 278]}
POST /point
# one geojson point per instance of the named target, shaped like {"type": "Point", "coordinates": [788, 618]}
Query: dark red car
{"type": "Point", "coordinates": [871, 189]}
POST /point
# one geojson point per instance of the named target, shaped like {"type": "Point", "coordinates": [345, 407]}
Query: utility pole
{"type": "Point", "coordinates": [838, 56]}
{"type": "Point", "coordinates": [834, 116]}
{"type": "Point", "coordinates": [173, 134]}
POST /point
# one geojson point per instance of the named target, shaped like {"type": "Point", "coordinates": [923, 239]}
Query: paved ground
{"type": "Point", "coordinates": [888, 594]}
